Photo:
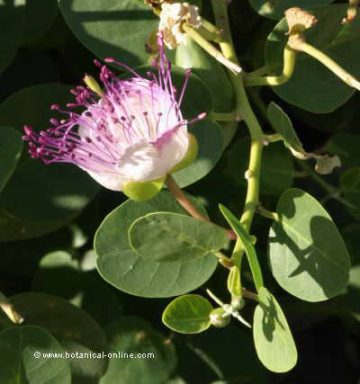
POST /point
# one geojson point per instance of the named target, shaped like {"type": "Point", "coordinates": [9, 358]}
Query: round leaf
{"type": "Point", "coordinates": [83, 289]}
{"type": "Point", "coordinates": [188, 314]}
{"type": "Point", "coordinates": [208, 133]}
{"type": "Point", "coordinates": [350, 185]}
{"type": "Point", "coordinates": [324, 91]}
{"type": "Point", "coordinates": [39, 18]}
{"type": "Point", "coordinates": [122, 267]}
{"type": "Point", "coordinates": [277, 170]}
{"type": "Point", "coordinates": [275, 9]}
{"type": "Point", "coordinates": [169, 236]}
{"type": "Point", "coordinates": [111, 27]}
{"type": "Point", "coordinates": [131, 335]}
{"type": "Point", "coordinates": [12, 27]}
{"type": "Point", "coordinates": [238, 365]}
{"type": "Point", "coordinates": [10, 151]}
{"type": "Point", "coordinates": [273, 340]}
{"type": "Point", "coordinates": [190, 55]}
{"type": "Point", "coordinates": [197, 97]}
{"type": "Point", "coordinates": [307, 254]}
{"type": "Point", "coordinates": [55, 193]}
{"type": "Point", "coordinates": [351, 235]}
{"type": "Point", "coordinates": [211, 143]}
{"type": "Point", "coordinates": [346, 146]}
{"type": "Point", "coordinates": [76, 330]}
{"type": "Point", "coordinates": [282, 124]}
{"type": "Point", "coordinates": [18, 348]}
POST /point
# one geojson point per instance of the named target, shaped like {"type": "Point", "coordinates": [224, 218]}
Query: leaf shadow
{"type": "Point", "coordinates": [310, 259]}
{"type": "Point", "coordinates": [10, 14]}
{"type": "Point", "coordinates": [270, 318]}
{"type": "Point", "coordinates": [105, 48]}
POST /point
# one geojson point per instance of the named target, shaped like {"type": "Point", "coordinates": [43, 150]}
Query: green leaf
{"type": "Point", "coordinates": [351, 234]}
{"type": "Point", "coordinates": [39, 18]}
{"type": "Point", "coordinates": [12, 27]}
{"type": "Point", "coordinates": [277, 167]}
{"type": "Point", "coordinates": [238, 365]}
{"type": "Point", "coordinates": [55, 193]}
{"type": "Point", "coordinates": [210, 139]}
{"type": "Point", "coordinates": [75, 330]}
{"type": "Point", "coordinates": [18, 347]}
{"type": "Point", "coordinates": [131, 335]}
{"type": "Point", "coordinates": [83, 289]}
{"type": "Point", "coordinates": [307, 254]}
{"type": "Point", "coordinates": [197, 98]}
{"type": "Point", "coordinates": [282, 124]}
{"type": "Point", "coordinates": [350, 186]}
{"type": "Point", "coordinates": [345, 145]}
{"type": "Point", "coordinates": [34, 103]}
{"type": "Point", "coordinates": [10, 151]}
{"type": "Point", "coordinates": [190, 55]}
{"type": "Point", "coordinates": [273, 340]}
{"type": "Point", "coordinates": [234, 282]}
{"type": "Point", "coordinates": [122, 267]}
{"type": "Point", "coordinates": [165, 236]}
{"type": "Point", "coordinates": [248, 245]}
{"type": "Point", "coordinates": [188, 314]}
{"type": "Point", "coordinates": [335, 121]}
{"type": "Point", "coordinates": [275, 9]}
{"type": "Point", "coordinates": [324, 91]}
{"type": "Point", "coordinates": [111, 28]}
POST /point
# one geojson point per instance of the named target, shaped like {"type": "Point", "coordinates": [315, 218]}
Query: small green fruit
{"type": "Point", "coordinates": [190, 155]}
{"type": "Point", "coordinates": [237, 303]}
{"type": "Point", "coordinates": [142, 191]}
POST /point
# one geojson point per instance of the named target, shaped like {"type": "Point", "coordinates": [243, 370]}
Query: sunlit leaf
{"type": "Point", "coordinates": [274, 343]}
{"type": "Point", "coordinates": [122, 267]}
{"type": "Point", "coordinates": [169, 236]}
{"type": "Point", "coordinates": [188, 314]}
{"type": "Point", "coordinates": [307, 254]}
{"type": "Point", "coordinates": [312, 86]}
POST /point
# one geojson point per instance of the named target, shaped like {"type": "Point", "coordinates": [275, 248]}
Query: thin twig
{"type": "Point", "coordinates": [183, 200]}
{"type": "Point", "coordinates": [211, 50]}
{"type": "Point", "coordinates": [289, 60]}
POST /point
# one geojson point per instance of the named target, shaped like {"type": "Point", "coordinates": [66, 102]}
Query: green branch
{"type": "Point", "coordinates": [289, 60]}
{"type": "Point", "coordinates": [244, 109]}
{"type": "Point", "coordinates": [210, 49]}
{"type": "Point", "coordinates": [225, 116]}
{"type": "Point", "coordinates": [329, 63]}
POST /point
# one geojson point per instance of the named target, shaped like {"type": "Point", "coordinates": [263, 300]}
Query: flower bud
{"type": "Point", "coordinates": [237, 303]}
{"type": "Point", "coordinates": [217, 318]}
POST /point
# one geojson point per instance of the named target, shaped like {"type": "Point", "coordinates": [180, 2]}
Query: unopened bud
{"type": "Point", "coordinates": [219, 318]}
{"type": "Point", "coordinates": [237, 303]}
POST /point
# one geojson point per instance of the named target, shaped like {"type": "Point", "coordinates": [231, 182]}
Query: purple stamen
{"type": "Point", "coordinates": [134, 120]}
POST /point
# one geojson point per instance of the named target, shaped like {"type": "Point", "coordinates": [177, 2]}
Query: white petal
{"type": "Point", "coordinates": [109, 180]}
{"type": "Point", "coordinates": [146, 161]}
